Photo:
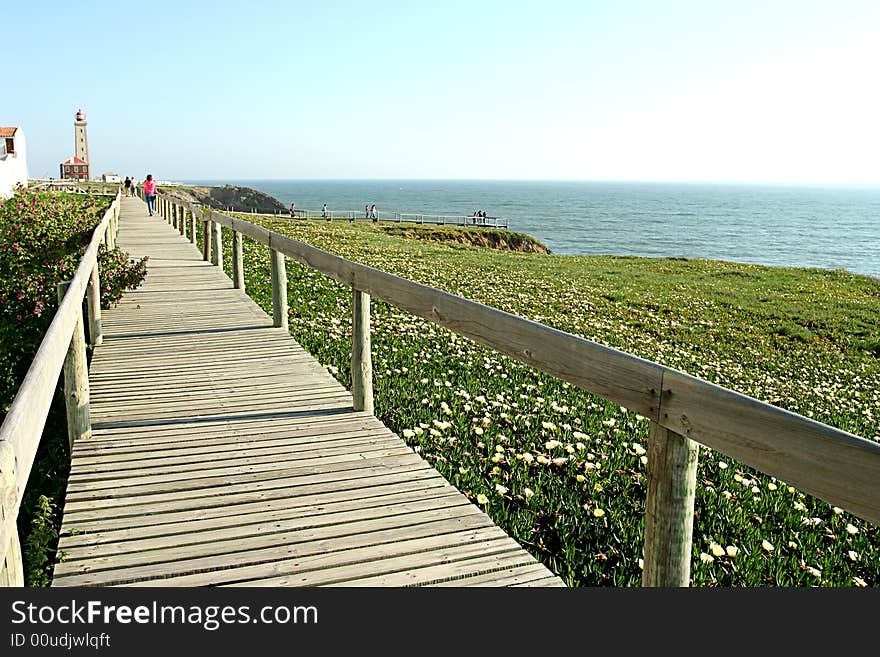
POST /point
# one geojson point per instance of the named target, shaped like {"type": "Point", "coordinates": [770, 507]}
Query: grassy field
{"type": "Point", "coordinates": [563, 471]}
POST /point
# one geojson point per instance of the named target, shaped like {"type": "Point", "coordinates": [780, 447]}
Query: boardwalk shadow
{"type": "Point", "coordinates": [189, 421]}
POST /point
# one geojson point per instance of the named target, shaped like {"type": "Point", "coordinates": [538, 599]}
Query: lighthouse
{"type": "Point", "coordinates": [77, 167]}
{"type": "Point", "coordinates": [82, 140]}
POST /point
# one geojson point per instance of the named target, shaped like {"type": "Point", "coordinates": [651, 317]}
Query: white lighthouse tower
{"type": "Point", "coordinates": [82, 140]}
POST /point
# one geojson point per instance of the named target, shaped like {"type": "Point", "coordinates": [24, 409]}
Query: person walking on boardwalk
{"type": "Point", "coordinates": [127, 186]}
{"type": "Point", "coordinates": [150, 194]}
{"type": "Point", "coordinates": [134, 188]}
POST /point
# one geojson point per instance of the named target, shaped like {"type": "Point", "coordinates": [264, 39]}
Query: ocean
{"type": "Point", "coordinates": [789, 226]}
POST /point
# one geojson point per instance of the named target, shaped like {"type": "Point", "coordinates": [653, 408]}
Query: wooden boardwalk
{"type": "Point", "coordinates": [223, 454]}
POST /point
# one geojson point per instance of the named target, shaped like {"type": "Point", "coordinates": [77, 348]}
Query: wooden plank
{"type": "Point", "coordinates": [146, 509]}
{"type": "Point", "coordinates": [191, 535]}
{"type": "Point", "coordinates": [235, 550]}
{"type": "Point", "coordinates": [259, 512]}
{"type": "Point", "coordinates": [359, 551]}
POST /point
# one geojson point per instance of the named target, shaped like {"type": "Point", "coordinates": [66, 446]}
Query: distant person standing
{"type": "Point", "coordinates": [127, 186]}
{"type": "Point", "coordinates": [150, 194]}
{"type": "Point", "coordinates": [366, 211]}
{"type": "Point", "coordinates": [134, 187]}
{"type": "Point", "coordinates": [293, 210]}
{"type": "Point", "coordinates": [373, 214]}
{"type": "Point", "coordinates": [324, 212]}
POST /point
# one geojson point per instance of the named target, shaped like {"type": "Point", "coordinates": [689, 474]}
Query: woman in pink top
{"type": "Point", "coordinates": [150, 194]}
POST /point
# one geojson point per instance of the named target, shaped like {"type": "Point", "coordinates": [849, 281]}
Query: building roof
{"type": "Point", "coordinates": [7, 132]}
{"type": "Point", "coordinates": [74, 160]}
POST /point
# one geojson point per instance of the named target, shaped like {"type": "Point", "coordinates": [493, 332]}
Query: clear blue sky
{"type": "Point", "coordinates": [763, 91]}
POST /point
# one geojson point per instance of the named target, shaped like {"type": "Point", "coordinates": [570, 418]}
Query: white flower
{"type": "Point", "coordinates": [598, 513]}
{"type": "Point", "coordinates": [852, 529]}
{"type": "Point", "coordinates": [581, 478]}
{"type": "Point", "coordinates": [716, 549]}
{"type": "Point", "coordinates": [837, 510]}
{"type": "Point", "coordinates": [858, 581]}
{"type": "Point", "coordinates": [462, 470]}
{"type": "Point", "coordinates": [800, 506]}
{"type": "Point", "coordinates": [853, 555]}
{"type": "Point", "coordinates": [408, 433]}
{"type": "Point", "coordinates": [731, 550]}
{"type": "Point", "coordinates": [527, 457]}
{"type": "Point", "coordinates": [478, 431]}
{"type": "Point", "coordinates": [528, 492]}
{"type": "Point", "coordinates": [706, 558]}
{"type": "Point", "coordinates": [767, 545]}
{"type": "Point", "coordinates": [722, 465]}
{"type": "Point", "coordinates": [771, 486]}
{"type": "Point", "coordinates": [499, 449]}
{"type": "Point", "coordinates": [815, 572]}
{"type": "Point", "coordinates": [502, 490]}
{"type": "Point", "coordinates": [638, 449]}
{"type": "Point", "coordinates": [548, 425]}
{"type": "Point", "coordinates": [550, 444]}
{"type": "Point", "coordinates": [482, 499]}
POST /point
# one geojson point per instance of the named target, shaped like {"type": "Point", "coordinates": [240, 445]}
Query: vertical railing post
{"type": "Point", "coordinates": [76, 379]}
{"type": "Point", "coordinates": [669, 508]}
{"type": "Point", "coordinates": [93, 305]}
{"type": "Point", "coordinates": [181, 219]}
{"type": "Point", "coordinates": [192, 216]}
{"type": "Point", "coordinates": [11, 567]}
{"type": "Point", "coordinates": [110, 233]}
{"type": "Point", "coordinates": [361, 355]}
{"type": "Point", "coordinates": [217, 231]}
{"type": "Point", "coordinates": [237, 261]}
{"type": "Point", "coordinates": [279, 289]}
{"type": "Point", "coordinates": [206, 240]}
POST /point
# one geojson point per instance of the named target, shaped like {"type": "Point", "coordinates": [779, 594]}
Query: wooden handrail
{"type": "Point", "coordinates": [23, 426]}
{"type": "Point", "coordinates": [836, 466]}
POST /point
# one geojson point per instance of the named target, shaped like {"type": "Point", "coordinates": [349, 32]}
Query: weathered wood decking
{"type": "Point", "coordinates": [223, 454]}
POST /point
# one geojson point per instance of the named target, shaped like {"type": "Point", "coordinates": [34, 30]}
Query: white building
{"type": "Point", "coordinates": [111, 177]}
{"type": "Point", "coordinates": [13, 160]}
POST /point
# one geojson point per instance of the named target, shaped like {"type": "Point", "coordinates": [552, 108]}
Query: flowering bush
{"type": "Point", "coordinates": [42, 238]}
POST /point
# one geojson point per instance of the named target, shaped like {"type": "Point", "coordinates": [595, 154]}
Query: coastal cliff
{"type": "Point", "coordinates": [239, 199]}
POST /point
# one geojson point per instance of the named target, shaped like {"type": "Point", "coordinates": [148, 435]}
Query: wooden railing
{"type": "Point", "coordinates": [841, 468]}
{"type": "Point", "coordinates": [63, 347]}
{"type": "Point", "coordinates": [388, 217]}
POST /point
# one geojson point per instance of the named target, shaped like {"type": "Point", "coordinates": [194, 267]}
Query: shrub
{"type": "Point", "coordinates": [42, 238]}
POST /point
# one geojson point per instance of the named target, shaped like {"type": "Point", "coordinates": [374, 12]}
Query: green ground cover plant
{"type": "Point", "coordinates": [42, 238]}
{"type": "Point", "coordinates": [564, 471]}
